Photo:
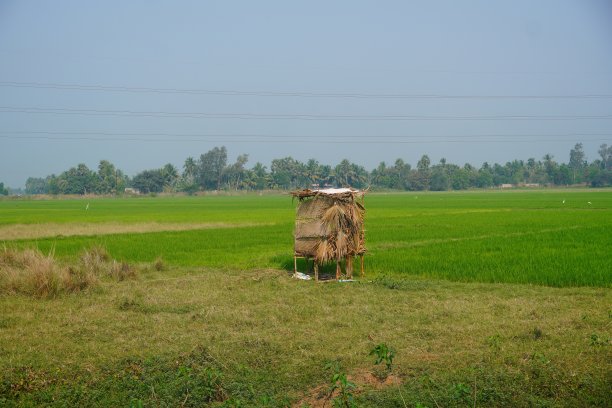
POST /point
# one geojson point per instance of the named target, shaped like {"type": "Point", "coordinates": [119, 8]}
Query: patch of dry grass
{"type": "Point", "coordinates": [275, 334]}
{"type": "Point", "coordinates": [30, 272]}
{"type": "Point", "coordinates": [29, 231]}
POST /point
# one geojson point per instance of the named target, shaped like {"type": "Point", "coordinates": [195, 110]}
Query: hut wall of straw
{"type": "Point", "coordinates": [329, 226]}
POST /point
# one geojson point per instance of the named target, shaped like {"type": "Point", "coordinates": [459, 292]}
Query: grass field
{"type": "Point", "coordinates": [489, 299]}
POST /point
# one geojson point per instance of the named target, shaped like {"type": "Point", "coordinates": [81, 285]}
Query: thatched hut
{"type": "Point", "coordinates": [329, 226]}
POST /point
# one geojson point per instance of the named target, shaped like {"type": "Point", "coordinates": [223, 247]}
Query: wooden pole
{"type": "Point", "coordinates": [349, 267]}
{"type": "Point", "coordinates": [338, 269]}
{"type": "Point", "coordinates": [316, 270]}
{"type": "Point", "coordinates": [295, 264]}
{"type": "Point", "coordinates": [362, 272]}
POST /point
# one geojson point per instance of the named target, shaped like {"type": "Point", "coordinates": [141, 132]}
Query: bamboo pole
{"type": "Point", "coordinates": [349, 267]}
{"type": "Point", "coordinates": [362, 272]}
{"type": "Point", "coordinates": [316, 271]}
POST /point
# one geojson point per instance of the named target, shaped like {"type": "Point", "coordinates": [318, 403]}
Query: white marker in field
{"type": "Point", "coordinates": [87, 207]}
{"type": "Point", "coordinates": [564, 201]}
{"type": "Point", "coordinates": [589, 203]}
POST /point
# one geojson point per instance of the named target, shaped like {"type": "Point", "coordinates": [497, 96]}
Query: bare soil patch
{"type": "Point", "coordinates": [320, 397]}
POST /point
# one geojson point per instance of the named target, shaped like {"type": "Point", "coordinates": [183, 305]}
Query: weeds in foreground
{"type": "Point", "coordinates": [383, 353]}
{"type": "Point", "coordinates": [386, 354]}
{"type": "Point", "coordinates": [597, 340]}
{"type": "Point", "coordinates": [189, 380]}
{"type": "Point", "coordinates": [344, 388]}
{"type": "Point", "coordinates": [340, 384]}
{"type": "Point", "coordinates": [32, 273]}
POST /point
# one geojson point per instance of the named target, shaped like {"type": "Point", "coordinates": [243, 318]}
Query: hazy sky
{"type": "Point", "coordinates": [82, 81]}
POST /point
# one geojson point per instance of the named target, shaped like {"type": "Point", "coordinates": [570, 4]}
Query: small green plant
{"type": "Point", "coordinates": [339, 383]}
{"type": "Point", "coordinates": [383, 353]}
{"type": "Point", "coordinates": [597, 340]}
{"type": "Point", "coordinates": [345, 398]}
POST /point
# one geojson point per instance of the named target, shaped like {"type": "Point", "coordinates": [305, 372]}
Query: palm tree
{"type": "Point", "coordinates": [343, 172]}
{"type": "Point", "coordinates": [189, 169]}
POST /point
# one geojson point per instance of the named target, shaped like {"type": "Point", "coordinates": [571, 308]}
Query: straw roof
{"type": "Point", "coordinates": [337, 193]}
{"type": "Point", "coordinates": [329, 224]}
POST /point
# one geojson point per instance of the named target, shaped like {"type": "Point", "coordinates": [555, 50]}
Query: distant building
{"type": "Point", "coordinates": [130, 190]}
{"type": "Point", "coordinates": [506, 186]}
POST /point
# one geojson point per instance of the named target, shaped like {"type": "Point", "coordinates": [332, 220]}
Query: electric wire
{"type": "Point", "coordinates": [261, 138]}
{"type": "Point", "coordinates": [283, 116]}
{"type": "Point", "coordinates": [304, 94]}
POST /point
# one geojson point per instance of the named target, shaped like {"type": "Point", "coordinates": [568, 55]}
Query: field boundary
{"type": "Point", "coordinates": [29, 231]}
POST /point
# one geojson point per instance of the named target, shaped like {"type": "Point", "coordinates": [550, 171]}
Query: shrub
{"type": "Point", "coordinates": [341, 386]}
{"type": "Point", "coordinates": [30, 272]}
{"type": "Point", "coordinates": [383, 353]}
{"type": "Point", "coordinates": [95, 258]}
{"type": "Point", "coordinates": [120, 271]}
{"type": "Point", "coordinates": [159, 264]}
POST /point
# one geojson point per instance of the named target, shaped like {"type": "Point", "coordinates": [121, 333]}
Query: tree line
{"type": "Point", "coordinates": [211, 171]}
{"type": "Point", "coordinates": [3, 190]}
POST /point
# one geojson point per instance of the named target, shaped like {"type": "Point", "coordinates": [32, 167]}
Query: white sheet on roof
{"type": "Point", "coordinates": [335, 190]}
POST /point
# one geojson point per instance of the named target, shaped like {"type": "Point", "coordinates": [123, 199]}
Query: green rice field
{"type": "Point", "coordinates": [554, 238]}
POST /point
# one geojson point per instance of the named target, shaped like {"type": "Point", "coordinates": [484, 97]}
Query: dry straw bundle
{"type": "Point", "coordinates": [330, 226]}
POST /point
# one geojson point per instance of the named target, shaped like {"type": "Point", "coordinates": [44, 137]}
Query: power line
{"type": "Point", "coordinates": [318, 142]}
{"type": "Point", "coordinates": [300, 94]}
{"type": "Point", "coordinates": [282, 116]}
{"type": "Point", "coordinates": [284, 139]}
{"type": "Point", "coordinates": [265, 135]}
